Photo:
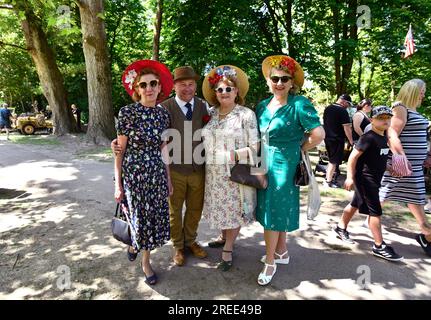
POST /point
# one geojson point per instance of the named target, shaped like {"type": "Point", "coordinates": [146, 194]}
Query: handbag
{"type": "Point", "coordinates": [313, 195]}
{"type": "Point", "coordinates": [401, 166]}
{"type": "Point", "coordinates": [242, 174]}
{"type": "Point", "coordinates": [302, 177]}
{"type": "Point", "coordinates": [120, 228]}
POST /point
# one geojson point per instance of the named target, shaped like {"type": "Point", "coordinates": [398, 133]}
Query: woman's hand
{"type": "Point", "coordinates": [115, 147]}
{"type": "Point", "coordinates": [348, 184]}
{"type": "Point", "coordinates": [118, 194]}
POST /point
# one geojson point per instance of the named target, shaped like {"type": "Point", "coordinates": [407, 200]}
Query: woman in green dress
{"type": "Point", "coordinates": [284, 120]}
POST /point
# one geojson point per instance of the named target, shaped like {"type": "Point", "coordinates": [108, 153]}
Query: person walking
{"type": "Point", "coordinates": [365, 169]}
{"type": "Point", "coordinates": [338, 126]}
{"type": "Point", "coordinates": [5, 119]}
{"type": "Point", "coordinates": [408, 138]}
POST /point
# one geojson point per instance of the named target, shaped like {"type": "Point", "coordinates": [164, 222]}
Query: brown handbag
{"type": "Point", "coordinates": [241, 173]}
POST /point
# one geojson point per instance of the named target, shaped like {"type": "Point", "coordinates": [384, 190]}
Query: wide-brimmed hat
{"type": "Point", "coordinates": [185, 72]}
{"type": "Point", "coordinates": [217, 74]}
{"type": "Point", "coordinates": [132, 71]}
{"type": "Point", "coordinates": [381, 110]}
{"type": "Point", "coordinates": [285, 62]}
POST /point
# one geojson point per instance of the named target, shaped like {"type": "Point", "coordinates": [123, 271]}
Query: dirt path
{"type": "Point", "coordinates": [56, 203]}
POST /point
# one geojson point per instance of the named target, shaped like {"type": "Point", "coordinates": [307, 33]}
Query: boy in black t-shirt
{"type": "Point", "coordinates": [365, 169]}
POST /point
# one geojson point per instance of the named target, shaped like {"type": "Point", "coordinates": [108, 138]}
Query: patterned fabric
{"type": "Point", "coordinates": [409, 189]}
{"type": "Point", "coordinates": [278, 205]}
{"type": "Point", "coordinates": [223, 205]}
{"type": "Point", "coordinates": [144, 174]}
{"type": "Point", "coordinates": [189, 114]}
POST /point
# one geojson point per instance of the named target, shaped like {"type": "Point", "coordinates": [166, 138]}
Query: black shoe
{"type": "Point", "coordinates": [425, 244]}
{"type": "Point", "coordinates": [386, 252]}
{"type": "Point", "coordinates": [225, 265]}
{"type": "Point", "coordinates": [343, 234]}
{"type": "Point", "coordinates": [131, 255]}
{"type": "Point", "coordinates": [217, 243]}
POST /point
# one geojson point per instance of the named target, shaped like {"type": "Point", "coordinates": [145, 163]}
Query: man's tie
{"type": "Point", "coordinates": [189, 113]}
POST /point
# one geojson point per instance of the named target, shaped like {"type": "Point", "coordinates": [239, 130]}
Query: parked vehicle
{"type": "Point", "coordinates": [29, 123]}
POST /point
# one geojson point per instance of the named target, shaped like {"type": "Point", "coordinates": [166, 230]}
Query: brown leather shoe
{"type": "Point", "coordinates": [198, 251]}
{"type": "Point", "coordinates": [179, 257]}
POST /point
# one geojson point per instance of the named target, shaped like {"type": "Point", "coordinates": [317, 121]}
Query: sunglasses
{"type": "Point", "coordinates": [221, 90]}
{"type": "Point", "coordinates": [152, 84]}
{"type": "Point", "coordinates": [283, 79]}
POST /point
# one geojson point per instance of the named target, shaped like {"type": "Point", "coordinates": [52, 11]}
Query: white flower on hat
{"type": "Point", "coordinates": [130, 77]}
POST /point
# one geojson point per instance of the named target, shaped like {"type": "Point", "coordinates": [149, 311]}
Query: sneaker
{"type": "Point", "coordinates": [425, 244]}
{"type": "Point", "coordinates": [331, 184]}
{"type": "Point", "coordinates": [386, 252]}
{"type": "Point", "coordinates": [343, 235]}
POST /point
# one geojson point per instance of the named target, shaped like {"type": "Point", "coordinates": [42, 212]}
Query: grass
{"type": "Point", "coordinates": [35, 140]}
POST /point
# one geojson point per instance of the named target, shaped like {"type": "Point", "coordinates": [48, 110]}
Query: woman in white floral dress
{"type": "Point", "coordinates": [227, 137]}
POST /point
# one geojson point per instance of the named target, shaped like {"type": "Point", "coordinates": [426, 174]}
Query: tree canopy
{"type": "Point", "coordinates": [343, 46]}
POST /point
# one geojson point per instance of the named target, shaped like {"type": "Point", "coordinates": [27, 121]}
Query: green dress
{"type": "Point", "coordinates": [282, 134]}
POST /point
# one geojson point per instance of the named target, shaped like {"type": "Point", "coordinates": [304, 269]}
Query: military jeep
{"type": "Point", "coordinates": [29, 123]}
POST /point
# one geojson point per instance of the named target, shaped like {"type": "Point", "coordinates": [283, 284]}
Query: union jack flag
{"type": "Point", "coordinates": [409, 43]}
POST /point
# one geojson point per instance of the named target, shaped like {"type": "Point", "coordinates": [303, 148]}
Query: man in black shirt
{"type": "Point", "coordinates": [338, 126]}
{"type": "Point", "coordinates": [365, 169]}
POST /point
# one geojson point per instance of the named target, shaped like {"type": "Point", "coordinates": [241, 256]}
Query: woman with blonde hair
{"type": "Point", "coordinates": [408, 137]}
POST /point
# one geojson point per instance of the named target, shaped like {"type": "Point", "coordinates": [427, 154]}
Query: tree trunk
{"type": "Point", "coordinates": [158, 28]}
{"type": "Point", "coordinates": [361, 96]}
{"type": "Point", "coordinates": [49, 74]}
{"type": "Point", "coordinates": [99, 84]}
{"type": "Point", "coordinates": [337, 63]}
{"type": "Point", "coordinates": [343, 50]}
{"type": "Point", "coordinates": [289, 30]}
{"type": "Point", "coordinates": [274, 21]}
{"type": "Point", "coordinates": [367, 90]}
{"type": "Point", "coordinates": [350, 32]}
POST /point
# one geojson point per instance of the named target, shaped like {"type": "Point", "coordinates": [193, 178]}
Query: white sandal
{"type": "Point", "coordinates": [265, 279]}
{"type": "Point", "coordinates": [280, 259]}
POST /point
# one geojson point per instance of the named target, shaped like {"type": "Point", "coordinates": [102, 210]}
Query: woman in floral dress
{"type": "Point", "coordinates": [227, 205]}
{"type": "Point", "coordinates": [142, 180]}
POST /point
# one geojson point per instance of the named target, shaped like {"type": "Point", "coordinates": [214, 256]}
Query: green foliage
{"type": "Point", "coordinates": [205, 34]}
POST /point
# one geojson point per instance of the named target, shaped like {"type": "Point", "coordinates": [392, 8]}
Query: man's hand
{"type": "Point", "coordinates": [115, 147]}
{"type": "Point", "coordinates": [348, 184]}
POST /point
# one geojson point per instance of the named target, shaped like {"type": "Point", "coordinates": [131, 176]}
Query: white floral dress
{"type": "Point", "coordinates": [227, 204]}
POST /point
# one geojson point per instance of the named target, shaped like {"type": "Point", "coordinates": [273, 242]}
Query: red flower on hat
{"type": "Point", "coordinates": [215, 79]}
{"type": "Point", "coordinates": [284, 63]}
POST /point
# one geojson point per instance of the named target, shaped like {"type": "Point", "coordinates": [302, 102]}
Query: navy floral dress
{"type": "Point", "coordinates": [144, 174]}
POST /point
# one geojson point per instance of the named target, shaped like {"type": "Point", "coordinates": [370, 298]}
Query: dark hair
{"type": "Point", "coordinates": [136, 97]}
{"type": "Point", "coordinates": [363, 103]}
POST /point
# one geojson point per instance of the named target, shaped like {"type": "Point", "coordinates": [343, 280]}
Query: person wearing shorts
{"type": "Point", "coordinates": [365, 169]}
{"type": "Point", "coordinates": [5, 122]}
{"type": "Point", "coordinates": [338, 126]}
